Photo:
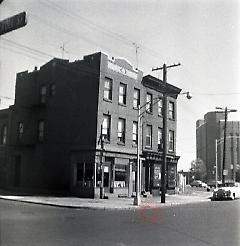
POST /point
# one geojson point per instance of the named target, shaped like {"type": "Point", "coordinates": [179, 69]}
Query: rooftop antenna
{"type": "Point", "coordinates": [63, 49]}
{"type": "Point", "coordinates": [136, 50]}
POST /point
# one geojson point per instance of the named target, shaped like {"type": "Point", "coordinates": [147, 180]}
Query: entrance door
{"type": "Point", "coordinates": [106, 181]}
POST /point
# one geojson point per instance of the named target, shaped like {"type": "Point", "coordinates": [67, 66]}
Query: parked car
{"type": "Point", "coordinates": [212, 183]}
{"type": "Point", "coordinates": [196, 183]}
{"type": "Point", "coordinates": [226, 192]}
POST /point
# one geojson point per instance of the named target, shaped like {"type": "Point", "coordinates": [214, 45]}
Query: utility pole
{"type": "Point", "coordinates": [216, 162]}
{"type": "Point", "coordinates": [226, 111]}
{"type": "Point", "coordinates": [165, 130]}
{"type": "Point", "coordinates": [63, 49]}
{"type": "Point", "coordinates": [136, 50]}
{"type": "Point", "coordinates": [101, 140]}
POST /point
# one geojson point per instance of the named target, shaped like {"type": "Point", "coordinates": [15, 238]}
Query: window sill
{"type": "Point", "coordinates": [107, 100]}
{"type": "Point", "coordinates": [148, 147]}
{"type": "Point", "coordinates": [121, 143]}
{"type": "Point", "coordinates": [122, 104]}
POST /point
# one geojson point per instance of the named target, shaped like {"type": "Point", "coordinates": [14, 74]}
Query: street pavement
{"type": "Point", "coordinates": [190, 224]}
{"type": "Point", "coordinates": [190, 196]}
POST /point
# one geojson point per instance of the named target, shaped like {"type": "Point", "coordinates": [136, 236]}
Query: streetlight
{"type": "Point", "coordinates": [226, 111]}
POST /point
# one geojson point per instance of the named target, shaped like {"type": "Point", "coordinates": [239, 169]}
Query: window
{"type": "Point", "coordinates": [160, 107]}
{"type": "Point", "coordinates": [107, 94]}
{"type": "Point", "coordinates": [135, 133]}
{"type": "Point", "coordinates": [171, 140]}
{"type": "Point", "coordinates": [149, 103]}
{"type": "Point", "coordinates": [160, 140]}
{"type": "Point", "coordinates": [106, 127]}
{"type": "Point", "coordinates": [20, 130]}
{"type": "Point", "coordinates": [4, 135]}
{"type": "Point", "coordinates": [52, 90]}
{"type": "Point", "coordinates": [121, 177]}
{"type": "Point", "coordinates": [136, 98]}
{"type": "Point", "coordinates": [122, 93]}
{"type": "Point", "coordinates": [171, 110]}
{"type": "Point", "coordinates": [84, 174]}
{"type": "Point", "coordinates": [149, 136]}
{"type": "Point", "coordinates": [121, 130]}
{"type": "Point", "coordinates": [43, 94]}
{"type": "Point", "coordinates": [41, 131]}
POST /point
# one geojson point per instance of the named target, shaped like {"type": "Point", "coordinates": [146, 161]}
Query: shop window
{"type": "Point", "coordinates": [107, 94]}
{"type": "Point", "coordinates": [84, 174]}
{"type": "Point", "coordinates": [120, 176]}
{"type": "Point", "coordinates": [171, 182]}
{"type": "Point", "coordinates": [4, 134]}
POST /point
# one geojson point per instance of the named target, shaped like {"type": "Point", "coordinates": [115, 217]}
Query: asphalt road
{"type": "Point", "coordinates": [207, 223]}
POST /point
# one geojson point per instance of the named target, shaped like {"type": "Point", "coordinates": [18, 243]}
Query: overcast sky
{"type": "Point", "coordinates": [202, 35]}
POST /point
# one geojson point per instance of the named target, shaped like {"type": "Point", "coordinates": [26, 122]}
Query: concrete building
{"type": "Point", "coordinates": [207, 131]}
{"type": "Point", "coordinates": [50, 137]}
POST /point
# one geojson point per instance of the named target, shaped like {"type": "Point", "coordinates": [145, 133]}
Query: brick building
{"type": "Point", "coordinates": [207, 131]}
{"type": "Point", "coordinates": [50, 136]}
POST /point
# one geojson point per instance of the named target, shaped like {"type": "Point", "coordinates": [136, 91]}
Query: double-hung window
{"type": "Point", "coordinates": [4, 134]}
{"type": "Point", "coordinates": [121, 130]}
{"type": "Point", "coordinates": [136, 98]}
{"type": "Point", "coordinates": [160, 107]}
{"type": "Point", "coordinates": [122, 93]}
{"type": "Point", "coordinates": [149, 136]}
{"type": "Point", "coordinates": [171, 141]}
{"type": "Point", "coordinates": [20, 130]}
{"type": "Point", "coordinates": [41, 129]}
{"type": "Point", "coordinates": [160, 138]}
{"type": "Point", "coordinates": [149, 103]}
{"type": "Point", "coordinates": [171, 110]}
{"type": "Point", "coordinates": [106, 127]}
{"type": "Point", "coordinates": [135, 133]}
{"type": "Point", "coordinates": [107, 94]}
{"type": "Point", "coordinates": [43, 94]}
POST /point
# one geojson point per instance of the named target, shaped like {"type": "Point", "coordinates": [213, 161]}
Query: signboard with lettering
{"type": "Point", "coordinates": [12, 23]}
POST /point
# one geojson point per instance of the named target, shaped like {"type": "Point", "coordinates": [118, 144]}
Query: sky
{"type": "Point", "coordinates": [203, 35]}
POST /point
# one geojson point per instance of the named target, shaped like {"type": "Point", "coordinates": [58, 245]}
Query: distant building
{"type": "Point", "coordinates": [207, 131]}
{"type": "Point", "coordinates": [50, 136]}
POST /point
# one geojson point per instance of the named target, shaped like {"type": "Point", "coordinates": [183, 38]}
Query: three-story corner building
{"type": "Point", "coordinates": [73, 120]}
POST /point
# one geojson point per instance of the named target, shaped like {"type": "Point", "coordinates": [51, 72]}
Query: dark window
{"type": "Point", "coordinates": [136, 98]}
{"type": "Point", "coordinates": [43, 94]}
{"type": "Point", "coordinates": [107, 94]}
{"type": "Point", "coordinates": [52, 90]}
{"type": "Point", "coordinates": [171, 110]}
{"type": "Point", "coordinates": [41, 126]}
{"type": "Point", "coordinates": [149, 103]}
{"type": "Point", "coordinates": [4, 134]}
{"type": "Point", "coordinates": [121, 130]}
{"type": "Point", "coordinates": [135, 133]}
{"type": "Point", "coordinates": [149, 136]}
{"type": "Point", "coordinates": [106, 127]}
{"type": "Point", "coordinates": [20, 130]}
{"type": "Point", "coordinates": [122, 93]}
{"type": "Point", "coordinates": [84, 174]}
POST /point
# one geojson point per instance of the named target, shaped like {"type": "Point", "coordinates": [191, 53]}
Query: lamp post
{"type": "Point", "coordinates": [226, 111]}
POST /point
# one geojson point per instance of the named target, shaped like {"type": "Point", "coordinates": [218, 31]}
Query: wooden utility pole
{"type": "Point", "coordinates": [165, 130]}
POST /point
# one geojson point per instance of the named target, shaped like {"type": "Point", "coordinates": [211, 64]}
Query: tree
{"type": "Point", "coordinates": [198, 169]}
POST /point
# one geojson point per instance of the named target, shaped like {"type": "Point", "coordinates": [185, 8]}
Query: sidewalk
{"type": "Point", "coordinates": [112, 203]}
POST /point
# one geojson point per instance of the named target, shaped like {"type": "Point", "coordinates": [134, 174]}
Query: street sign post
{"type": "Point", "coordinates": [12, 23]}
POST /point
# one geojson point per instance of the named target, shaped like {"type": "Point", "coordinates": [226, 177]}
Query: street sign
{"type": "Point", "coordinates": [12, 23]}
